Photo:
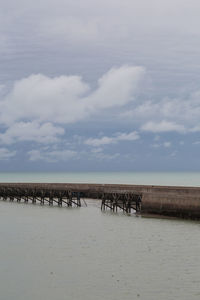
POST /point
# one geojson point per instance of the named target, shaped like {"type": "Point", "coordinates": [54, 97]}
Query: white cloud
{"type": "Point", "coordinates": [99, 142]}
{"type": "Point", "coordinates": [105, 140]}
{"type": "Point", "coordinates": [52, 156]}
{"type": "Point", "coordinates": [132, 136]}
{"type": "Point", "coordinates": [163, 126]}
{"type": "Point", "coordinates": [116, 88]}
{"type": "Point", "coordinates": [180, 115]}
{"type": "Point", "coordinates": [63, 99]}
{"type": "Point", "coordinates": [36, 103]}
{"type": "Point", "coordinates": [31, 131]}
{"type": "Point", "coordinates": [6, 154]}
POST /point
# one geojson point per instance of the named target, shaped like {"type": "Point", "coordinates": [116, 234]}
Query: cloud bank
{"type": "Point", "coordinates": [35, 106]}
{"type": "Point", "coordinates": [181, 115]}
{"type": "Point", "coordinates": [38, 108]}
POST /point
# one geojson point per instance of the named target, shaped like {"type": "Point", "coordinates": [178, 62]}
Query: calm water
{"type": "Point", "coordinates": [85, 254]}
{"type": "Point", "coordinates": [152, 178]}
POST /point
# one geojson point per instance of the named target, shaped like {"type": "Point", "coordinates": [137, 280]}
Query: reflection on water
{"type": "Point", "coordinates": [83, 253]}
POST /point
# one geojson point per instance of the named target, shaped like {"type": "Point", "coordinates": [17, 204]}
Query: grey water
{"type": "Point", "coordinates": [86, 254]}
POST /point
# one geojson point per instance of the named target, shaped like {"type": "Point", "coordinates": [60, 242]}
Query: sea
{"type": "Point", "coordinates": [87, 254]}
{"type": "Point", "coordinates": [149, 178]}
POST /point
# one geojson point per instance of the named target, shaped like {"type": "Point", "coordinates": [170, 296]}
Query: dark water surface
{"type": "Point", "coordinates": [82, 253]}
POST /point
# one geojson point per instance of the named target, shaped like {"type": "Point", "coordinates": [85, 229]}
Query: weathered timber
{"type": "Point", "coordinates": [41, 194]}
{"type": "Point", "coordinates": [127, 202]}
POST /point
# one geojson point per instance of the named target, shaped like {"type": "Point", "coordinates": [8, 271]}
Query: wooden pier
{"type": "Point", "coordinates": [41, 196]}
{"type": "Point", "coordinates": [128, 202]}
{"type": "Point", "coordinates": [71, 195]}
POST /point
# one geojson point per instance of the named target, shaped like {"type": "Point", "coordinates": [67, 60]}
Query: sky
{"type": "Point", "coordinates": [99, 85]}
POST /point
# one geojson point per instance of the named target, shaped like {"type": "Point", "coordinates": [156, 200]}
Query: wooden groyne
{"type": "Point", "coordinates": [164, 200]}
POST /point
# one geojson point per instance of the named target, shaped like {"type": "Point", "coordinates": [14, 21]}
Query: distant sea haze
{"type": "Point", "coordinates": [143, 178]}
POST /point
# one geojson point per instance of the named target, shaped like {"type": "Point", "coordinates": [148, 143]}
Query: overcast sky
{"type": "Point", "coordinates": [90, 85]}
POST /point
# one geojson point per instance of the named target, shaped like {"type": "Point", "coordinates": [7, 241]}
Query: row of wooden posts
{"type": "Point", "coordinates": [127, 202]}
{"type": "Point", "coordinates": [51, 197]}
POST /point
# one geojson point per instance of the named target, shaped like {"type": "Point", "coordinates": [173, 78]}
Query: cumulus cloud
{"type": "Point", "coordinates": [6, 154]}
{"type": "Point", "coordinates": [36, 103]}
{"type": "Point", "coordinates": [31, 131]}
{"type": "Point", "coordinates": [105, 140]}
{"type": "Point", "coordinates": [67, 99]}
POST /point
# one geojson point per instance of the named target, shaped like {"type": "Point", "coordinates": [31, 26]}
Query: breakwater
{"type": "Point", "coordinates": [164, 200]}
